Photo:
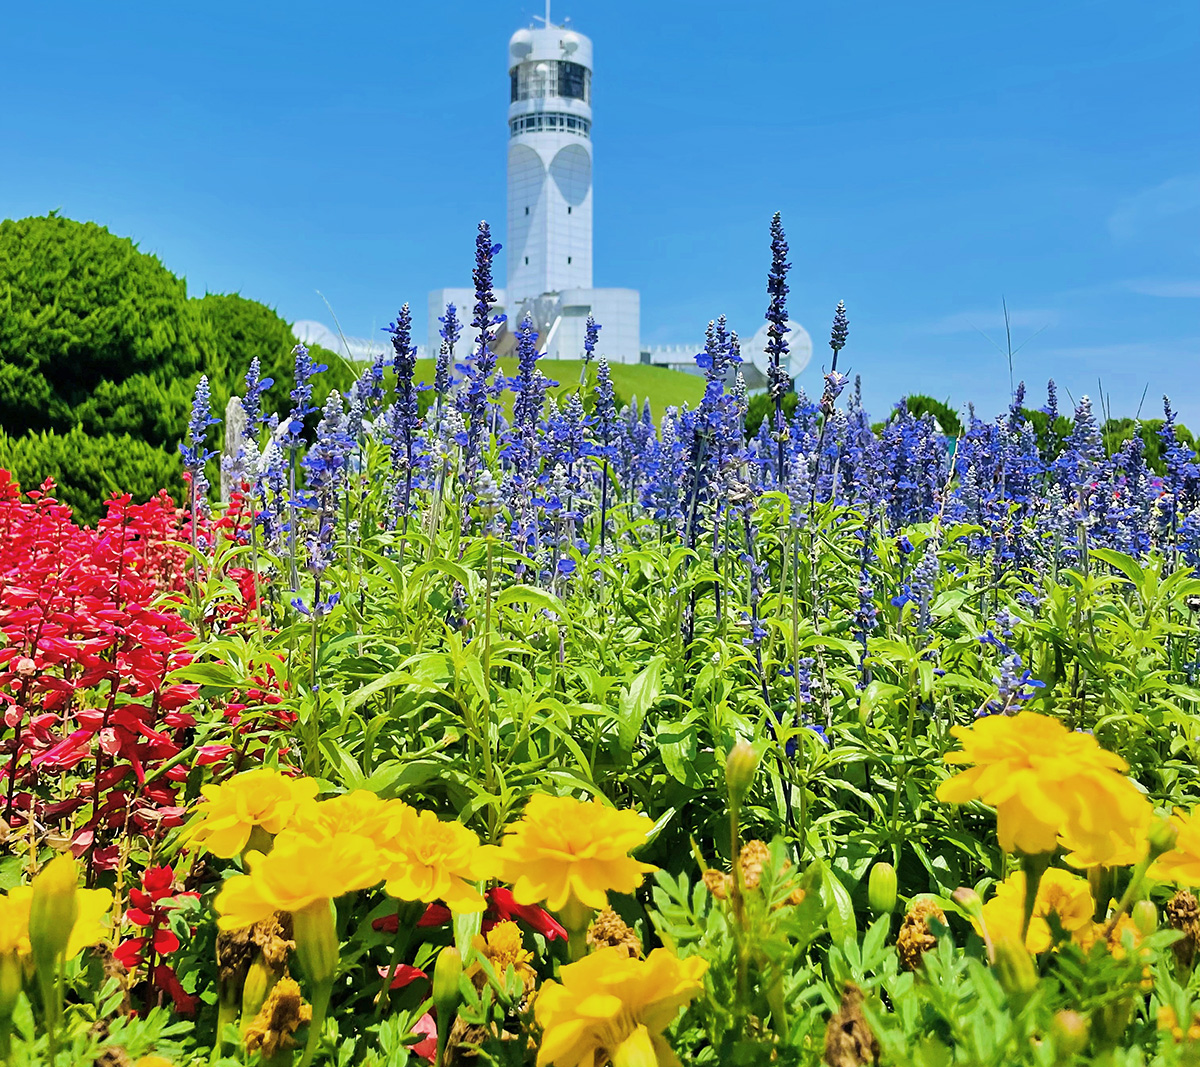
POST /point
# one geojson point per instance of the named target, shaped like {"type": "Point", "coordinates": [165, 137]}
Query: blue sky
{"type": "Point", "coordinates": [929, 159]}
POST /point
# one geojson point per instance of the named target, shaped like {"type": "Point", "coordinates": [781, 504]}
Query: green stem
{"type": "Point", "coordinates": [1034, 865]}
{"type": "Point", "coordinates": [576, 917]}
{"type": "Point", "coordinates": [1130, 894]}
{"type": "Point", "coordinates": [320, 1006]}
{"type": "Point", "coordinates": [407, 914]}
{"type": "Point", "coordinates": [737, 899]}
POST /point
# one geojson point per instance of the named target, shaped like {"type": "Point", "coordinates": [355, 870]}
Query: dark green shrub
{"type": "Point", "coordinates": [87, 470]}
{"type": "Point", "coordinates": [80, 307]}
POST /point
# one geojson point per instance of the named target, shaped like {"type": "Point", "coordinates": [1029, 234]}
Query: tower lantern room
{"type": "Point", "coordinates": [549, 162]}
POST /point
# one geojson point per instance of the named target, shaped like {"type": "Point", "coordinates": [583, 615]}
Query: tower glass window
{"type": "Point", "coordinates": [572, 80]}
{"type": "Point", "coordinates": [550, 77]}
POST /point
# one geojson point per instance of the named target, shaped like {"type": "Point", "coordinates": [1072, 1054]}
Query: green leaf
{"type": "Point", "coordinates": [535, 598]}
{"type": "Point", "coordinates": [219, 675]}
{"type": "Point", "coordinates": [364, 693]}
{"type": "Point", "coordinates": [637, 700]}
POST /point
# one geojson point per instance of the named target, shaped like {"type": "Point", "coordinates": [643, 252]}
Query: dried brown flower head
{"type": "Point", "coordinates": [609, 930]}
{"type": "Point", "coordinates": [849, 1041]}
{"type": "Point", "coordinates": [1183, 914]}
{"type": "Point", "coordinates": [281, 1016]}
{"type": "Point", "coordinates": [915, 937]}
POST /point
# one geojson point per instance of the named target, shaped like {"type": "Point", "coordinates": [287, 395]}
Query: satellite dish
{"type": "Point", "coordinates": [521, 44]}
{"type": "Point", "coordinates": [799, 348]}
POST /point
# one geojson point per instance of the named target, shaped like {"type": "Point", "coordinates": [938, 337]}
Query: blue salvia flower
{"type": "Point", "coordinates": [327, 461]}
{"type": "Point", "coordinates": [450, 332]}
{"type": "Point", "coordinates": [1182, 471]}
{"type": "Point", "coordinates": [1012, 690]}
{"type": "Point", "coordinates": [778, 381]}
{"type": "Point", "coordinates": [924, 578]}
{"type": "Point", "coordinates": [866, 615]}
{"type": "Point", "coordinates": [1015, 413]}
{"type": "Point", "coordinates": [325, 466]}
{"type": "Point", "coordinates": [252, 401]}
{"type": "Point", "coordinates": [403, 418]}
{"type": "Point", "coordinates": [1080, 465]}
{"type": "Point", "coordinates": [604, 429]}
{"type": "Point", "coordinates": [521, 450]}
{"type": "Point", "coordinates": [605, 406]}
{"type": "Point", "coordinates": [591, 336]}
{"type": "Point", "coordinates": [835, 382]}
{"type": "Point", "coordinates": [194, 448]}
{"type": "Point", "coordinates": [839, 332]}
{"type": "Point", "coordinates": [1051, 408]}
{"type": "Point", "coordinates": [368, 390]}
{"type": "Point", "coordinates": [529, 391]}
{"type": "Point", "coordinates": [474, 396]}
{"type": "Point", "coordinates": [662, 491]}
{"type": "Point", "coordinates": [302, 390]}
{"type": "Point", "coordinates": [271, 486]}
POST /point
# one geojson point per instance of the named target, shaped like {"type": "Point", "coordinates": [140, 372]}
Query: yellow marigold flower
{"type": "Point", "coordinates": [1061, 892]}
{"type": "Point", "coordinates": [564, 849]}
{"type": "Point", "coordinates": [298, 872]}
{"type": "Point", "coordinates": [1181, 864]}
{"type": "Point", "coordinates": [609, 1003]}
{"type": "Point", "coordinates": [259, 798]}
{"type": "Point", "coordinates": [428, 859]}
{"type": "Point", "coordinates": [358, 812]}
{"type": "Point", "coordinates": [14, 922]}
{"type": "Point", "coordinates": [503, 946]}
{"type": "Point", "coordinates": [89, 928]}
{"type": "Point", "coordinates": [1047, 784]}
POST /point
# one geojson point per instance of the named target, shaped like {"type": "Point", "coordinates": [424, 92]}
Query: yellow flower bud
{"type": "Point", "coordinates": [53, 909]}
{"type": "Point", "coordinates": [1110, 1022]}
{"type": "Point", "coordinates": [446, 974]}
{"type": "Point", "coordinates": [255, 990]}
{"type": "Point", "coordinates": [881, 889]}
{"type": "Point", "coordinates": [1014, 969]}
{"type": "Point", "coordinates": [740, 767]}
{"type": "Point", "coordinates": [315, 932]}
{"type": "Point", "coordinates": [10, 983]}
{"type": "Point", "coordinates": [1145, 917]}
{"type": "Point", "coordinates": [1070, 1031]}
{"type": "Point", "coordinates": [967, 899]}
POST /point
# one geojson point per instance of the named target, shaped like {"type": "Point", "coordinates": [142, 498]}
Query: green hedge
{"type": "Point", "coordinates": [88, 470]}
{"type": "Point", "coordinates": [100, 352]}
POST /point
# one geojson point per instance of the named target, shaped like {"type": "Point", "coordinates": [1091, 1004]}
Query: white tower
{"type": "Point", "coordinates": [548, 240]}
{"type": "Point", "coordinates": [549, 245]}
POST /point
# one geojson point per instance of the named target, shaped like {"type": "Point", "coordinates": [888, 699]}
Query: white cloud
{"type": "Point", "coordinates": [1180, 287]}
{"type": "Point", "coordinates": [991, 319]}
{"type": "Point", "coordinates": [1175, 196]}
